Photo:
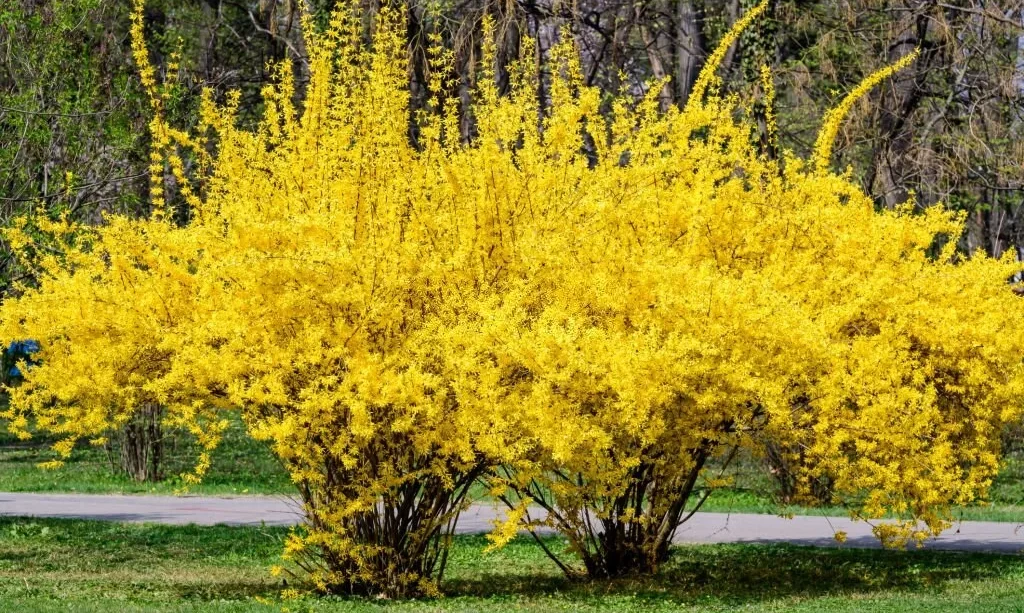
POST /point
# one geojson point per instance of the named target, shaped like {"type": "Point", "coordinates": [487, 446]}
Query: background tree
{"type": "Point", "coordinates": [945, 129]}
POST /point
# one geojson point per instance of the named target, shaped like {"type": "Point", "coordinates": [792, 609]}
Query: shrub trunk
{"type": "Point", "coordinates": [397, 545]}
{"type": "Point", "coordinates": [139, 446]}
{"type": "Point", "coordinates": [626, 534]}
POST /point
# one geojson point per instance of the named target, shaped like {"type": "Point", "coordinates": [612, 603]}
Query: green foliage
{"type": "Point", "coordinates": [72, 121]}
{"type": "Point", "coordinates": [73, 115]}
{"type": "Point", "coordinates": [66, 107]}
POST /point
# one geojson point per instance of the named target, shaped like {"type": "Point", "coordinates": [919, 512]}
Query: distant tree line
{"type": "Point", "coordinates": [947, 130]}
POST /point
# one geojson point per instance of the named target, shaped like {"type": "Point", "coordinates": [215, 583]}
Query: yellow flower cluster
{"type": "Point", "coordinates": [584, 306]}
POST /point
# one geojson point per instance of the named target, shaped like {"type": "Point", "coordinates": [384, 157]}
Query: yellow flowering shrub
{"type": "Point", "coordinates": [583, 305]}
{"type": "Point", "coordinates": [703, 299]}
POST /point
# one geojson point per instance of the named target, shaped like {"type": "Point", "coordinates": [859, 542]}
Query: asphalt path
{"type": "Point", "coordinates": [978, 536]}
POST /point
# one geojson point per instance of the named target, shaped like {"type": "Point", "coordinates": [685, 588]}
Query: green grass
{"type": "Point", "coordinates": [71, 565]}
{"type": "Point", "coordinates": [240, 466]}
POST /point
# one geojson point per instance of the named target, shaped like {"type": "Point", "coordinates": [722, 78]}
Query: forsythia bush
{"type": "Point", "coordinates": [711, 300]}
{"type": "Point", "coordinates": [583, 310]}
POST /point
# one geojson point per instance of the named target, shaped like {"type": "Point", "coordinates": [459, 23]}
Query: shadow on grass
{"type": "Point", "coordinates": [232, 590]}
{"type": "Point", "coordinates": [198, 564]}
{"type": "Point", "coordinates": [738, 574]}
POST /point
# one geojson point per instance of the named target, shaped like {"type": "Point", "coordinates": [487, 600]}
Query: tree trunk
{"type": "Point", "coordinates": [892, 171]}
{"type": "Point", "coordinates": [141, 444]}
{"type": "Point", "coordinates": [691, 49]}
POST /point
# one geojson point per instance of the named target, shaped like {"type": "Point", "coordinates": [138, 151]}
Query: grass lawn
{"type": "Point", "coordinates": [240, 466]}
{"type": "Point", "coordinates": [72, 565]}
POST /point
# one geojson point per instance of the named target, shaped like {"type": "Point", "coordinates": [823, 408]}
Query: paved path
{"type": "Point", "coordinates": [703, 528]}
